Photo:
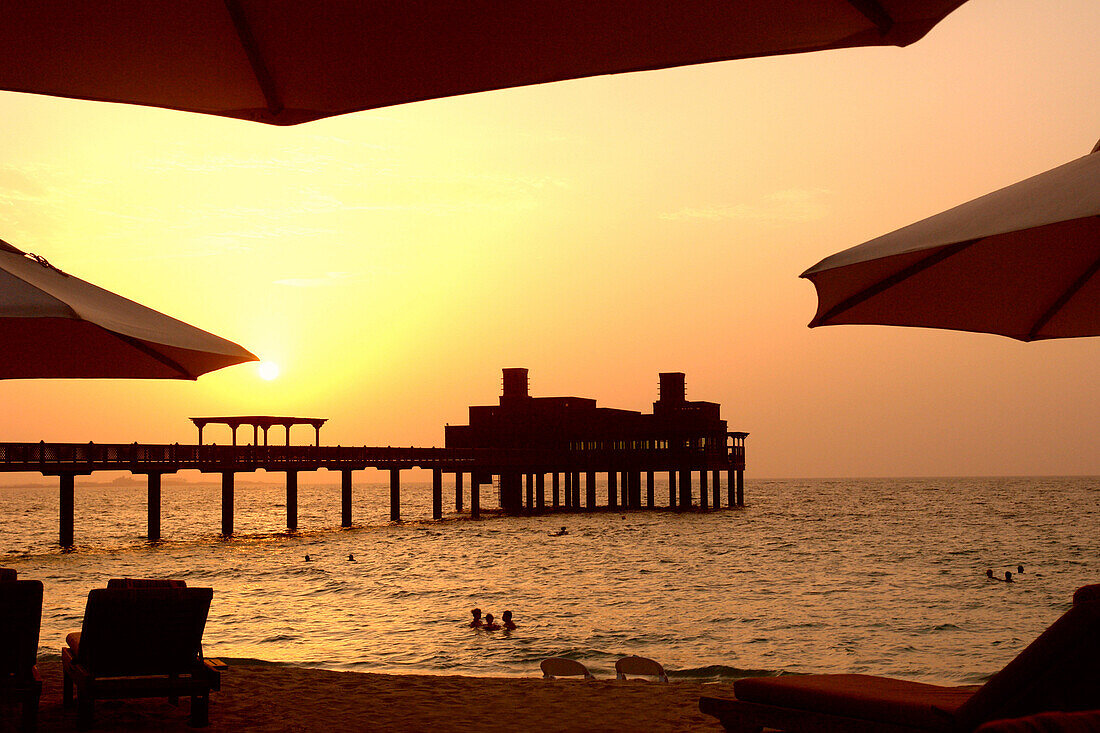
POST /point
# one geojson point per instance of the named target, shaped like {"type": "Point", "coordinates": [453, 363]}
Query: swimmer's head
{"type": "Point", "coordinates": [1019, 568]}
{"type": "Point", "coordinates": [1008, 576]}
{"type": "Point", "coordinates": [489, 619]}
{"type": "Point", "coordinates": [989, 572]}
{"type": "Point", "coordinates": [507, 616]}
{"type": "Point", "coordinates": [307, 558]}
{"type": "Point", "coordinates": [477, 612]}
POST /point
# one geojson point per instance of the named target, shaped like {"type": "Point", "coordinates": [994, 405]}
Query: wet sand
{"type": "Point", "coordinates": [275, 698]}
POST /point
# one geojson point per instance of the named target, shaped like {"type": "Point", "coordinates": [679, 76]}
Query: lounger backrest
{"type": "Point", "coordinates": [563, 667]}
{"type": "Point", "coordinates": [639, 666]}
{"type": "Point", "coordinates": [145, 583]}
{"type": "Point", "coordinates": [20, 621]}
{"type": "Point", "coordinates": [1058, 671]}
{"type": "Point", "coordinates": [144, 631]}
{"type": "Point", "coordinates": [7, 575]}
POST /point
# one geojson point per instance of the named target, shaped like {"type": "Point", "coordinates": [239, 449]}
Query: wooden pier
{"type": "Point", "coordinates": [518, 442]}
{"type": "Point", "coordinates": [479, 466]}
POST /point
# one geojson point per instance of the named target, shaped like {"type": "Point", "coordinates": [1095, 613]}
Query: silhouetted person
{"type": "Point", "coordinates": [308, 558]}
{"type": "Point", "coordinates": [489, 624]}
{"type": "Point", "coordinates": [1019, 569]}
{"type": "Point", "coordinates": [560, 532]}
{"type": "Point", "coordinates": [351, 558]}
{"type": "Point", "coordinates": [989, 574]}
{"type": "Point", "coordinates": [476, 613]}
{"type": "Point", "coordinates": [506, 617]}
{"type": "Point", "coordinates": [1008, 577]}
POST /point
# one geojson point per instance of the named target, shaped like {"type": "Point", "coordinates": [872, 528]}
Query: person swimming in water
{"type": "Point", "coordinates": [560, 532]}
{"type": "Point", "coordinates": [989, 574]}
{"type": "Point", "coordinates": [477, 622]}
{"type": "Point", "coordinates": [308, 559]}
{"type": "Point", "coordinates": [1008, 577]}
{"type": "Point", "coordinates": [1019, 569]}
{"type": "Point", "coordinates": [351, 558]}
{"type": "Point", "coordinates": [506, 617]}
{"type": "Point", "coordinates": [490, 625]}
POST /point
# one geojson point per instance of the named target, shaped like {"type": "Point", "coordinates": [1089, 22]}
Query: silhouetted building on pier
{"type": "Point", "coordinates": [678, 435]}
{"type": "Point", "coordinates": [576, 423]}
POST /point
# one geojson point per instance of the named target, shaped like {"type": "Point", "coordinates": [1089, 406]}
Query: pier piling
{"type": "Point", "coordinates": [458, 491]}
{"type": "Point", "coordinates": [475, 496]}
{"type": "Point", "coordinates": [649, 489]}
{"type": "Point", "coordinates": [590, 490]}
{"type": "Point", "coordinates": [437, 493]}
{"type": "Point", "coordinates": [731, 488]}
{"type": "Point", "coordinates": [292, 501]}
{"type": "Point", "coordinates": [555, 482]}
{"type": "Point", "coordinates": [715, 480]}
{"type": "Point", "coordinates": [345, 497]}
{"type": "Point", "coordinates": [530, 492]}
{"type": "Point", "coordinates": [671, 489]}
{"type": "Point", "coordinates": [540, 491]}
{"type": "Point", "coordinates": [685, 488]}
{"type": "Point", "coordinates": [703, 499]}
{"type": "Point", "coordinates": [395, 494]}
{"type": "Point", "coordinates": [227, 503]}
{"type": "Point", "coordinates": [153, 507]}
{"type": "Point", "coordinates": [740, 488]}
{"type": "Point", "coordinates": [612, 489]}
{"type": "Point", "coordinates": [65, 509]}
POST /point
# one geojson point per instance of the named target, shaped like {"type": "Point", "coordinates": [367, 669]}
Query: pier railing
{"type": "Point", "coordinates": [53, 458]}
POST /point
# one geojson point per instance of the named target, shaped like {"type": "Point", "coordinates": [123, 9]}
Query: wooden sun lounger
{"type": "Point", "coordinates": [1059, 671]}
{"type": "Point", "coordinates": [20, 621]}
{"type": "Point", "coordinates": [143, 642]}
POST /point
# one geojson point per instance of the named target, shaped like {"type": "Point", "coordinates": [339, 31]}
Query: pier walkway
{"type": "Point", "coordinates": [624, 462]}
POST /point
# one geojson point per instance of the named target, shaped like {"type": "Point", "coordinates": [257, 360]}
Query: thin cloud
{"type": "Point", "coordinates": [329, 278]}
{"type": "Point", "coordinates": [790, 206]}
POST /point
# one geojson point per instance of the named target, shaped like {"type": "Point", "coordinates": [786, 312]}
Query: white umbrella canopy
{"type": "Point", "coordinates": [1021, 262]}
{"type": "Point", "coordinates": [54, 325]}
{"type": "Point", "coordinates": [289, 61]}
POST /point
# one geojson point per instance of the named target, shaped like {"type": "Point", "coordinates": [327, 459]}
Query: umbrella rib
{"type": "Point", "coordinates": [875, 13]}
{"type": "Point", "coordinates": [1063, 299]}
{"type": "Point", "coordinates": [148, 351]}
{"type": "Point", "coordinates": [917, 267]}
{"type": "Point", "coordinates": [255, 60]}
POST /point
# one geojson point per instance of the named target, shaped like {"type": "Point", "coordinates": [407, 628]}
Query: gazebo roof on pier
{"type": "Point", "coordinates": [260, 421]}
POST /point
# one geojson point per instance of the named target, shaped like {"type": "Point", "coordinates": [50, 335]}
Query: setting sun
{"type": "Point", "coordinates": [268, 370]}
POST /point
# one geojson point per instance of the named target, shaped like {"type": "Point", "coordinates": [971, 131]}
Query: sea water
{"type": "Point", "coordinates": [884, 576]}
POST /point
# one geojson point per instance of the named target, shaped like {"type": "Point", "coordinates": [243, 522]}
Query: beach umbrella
{"type": "Point", "coordinates": [1022, 262]}
{"type": "Point", "coordinates": [54, 325]}
{"type": "Point", "coordinates": [289, 61]}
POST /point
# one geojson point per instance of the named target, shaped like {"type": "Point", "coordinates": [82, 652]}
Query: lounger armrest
{"type": "Point", "coordinates": [211, 669]}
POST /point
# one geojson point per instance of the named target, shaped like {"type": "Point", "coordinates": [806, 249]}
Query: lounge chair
{"type": "Point", "coordinates": [562, 667]}
{"type": "Point", "coordinates": [142, 642]}
{"type": "Point", "coordinates": [1080, 722]}
{"type": "Point", "coordinates": [20, 621]}
{"type": "Point", "coordinates": [1059, 671]}
{"type": "Point", "coordinates": [639, 666]}
{"type": "Point", "coordinates": [73, 638]}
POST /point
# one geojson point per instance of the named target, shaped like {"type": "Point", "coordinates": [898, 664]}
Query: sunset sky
{"type": "Point", "coordinates": [597, 232]}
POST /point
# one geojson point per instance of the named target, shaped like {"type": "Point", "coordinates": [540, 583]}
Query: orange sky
{"type": "Point", "coordinates": [595, 231]}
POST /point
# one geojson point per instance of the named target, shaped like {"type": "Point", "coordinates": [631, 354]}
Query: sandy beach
{"type": "Point", "coordinates": [275, 698]}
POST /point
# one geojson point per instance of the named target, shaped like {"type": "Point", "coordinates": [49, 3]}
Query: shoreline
{"type": "Point", "coordinates": [269, 696]}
